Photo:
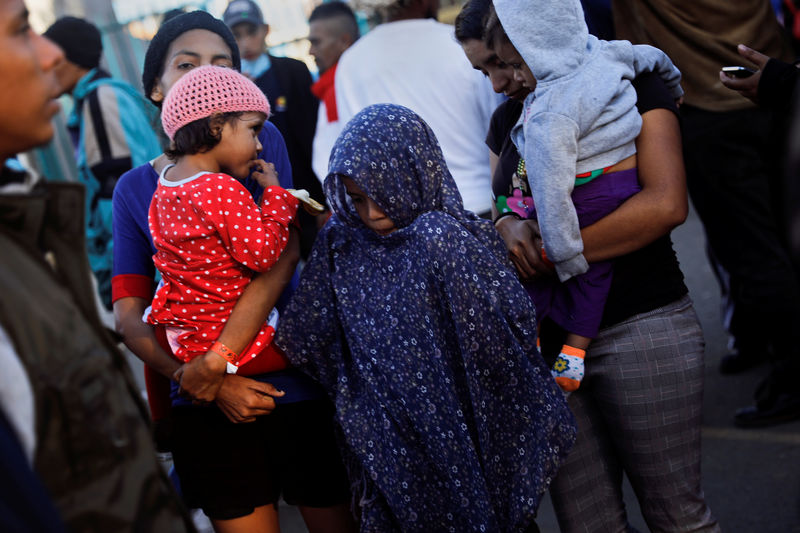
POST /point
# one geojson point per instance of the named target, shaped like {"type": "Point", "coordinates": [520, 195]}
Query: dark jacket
{"type": "Point", "coordinates": [287, 85]}
{"type": "Point", "coordinates": [777, 85]}
{"type": "Point", "coordinates": [94, 452]}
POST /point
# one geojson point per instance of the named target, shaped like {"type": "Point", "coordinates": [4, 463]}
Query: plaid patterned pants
{"type": "Point", "coordinates": [639, 410]}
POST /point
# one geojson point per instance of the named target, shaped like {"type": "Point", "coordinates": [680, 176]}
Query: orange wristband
{"type": "Point", "coordinates": [224, 352]}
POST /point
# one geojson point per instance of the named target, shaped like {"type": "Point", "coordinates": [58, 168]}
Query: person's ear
{"type": "Point", "coordinates": [157, 93]}
{"type": "Point", "coordinates": [215, 125]}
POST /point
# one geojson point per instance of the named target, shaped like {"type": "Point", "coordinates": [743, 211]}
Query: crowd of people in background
{"type": "Point", "coordinates": [111, 129]}
{"type": "Point", "coordinates": [414, 291]}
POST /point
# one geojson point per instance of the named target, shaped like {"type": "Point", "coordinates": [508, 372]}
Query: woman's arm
{"type": "Point", "coordinates": [654, 211]}
{"type": "Point", "coordinates": [140, 337]}
{"type": "Point", "coordinates": [659, 207]}
{"type": "Point", "coordinates": [240, 398]}
{"type": "Point", "coordinates": [202, 377]}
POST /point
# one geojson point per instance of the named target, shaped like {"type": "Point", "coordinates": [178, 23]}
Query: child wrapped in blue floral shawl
{"type": "Point", "coordinates": [426, 342]}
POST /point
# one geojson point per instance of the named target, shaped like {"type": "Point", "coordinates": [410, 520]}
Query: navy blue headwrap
{"type": "Point", "coordinates": [426, 342]}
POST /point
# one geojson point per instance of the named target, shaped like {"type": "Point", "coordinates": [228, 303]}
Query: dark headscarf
{"type": "Point", "coordinates": [174, 28]}
{"type": "Point", "coordinates": [394, 157]}
{"type": "Point", "coordinates": [426, 342]}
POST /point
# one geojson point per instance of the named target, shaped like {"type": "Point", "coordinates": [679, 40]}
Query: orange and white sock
{"type": "Point", "coordinates": [568, 368]}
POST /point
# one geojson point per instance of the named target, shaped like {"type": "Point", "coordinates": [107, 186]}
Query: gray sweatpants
{"type": "Point", "coordinates": [639, 409]}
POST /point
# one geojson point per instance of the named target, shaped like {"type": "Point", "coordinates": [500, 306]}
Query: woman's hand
{"type": "Point", "coordinates": [201, 378]}
{"type": "Point", "coordinates": [242, 399]}
{"type": "Point", "coordinates": [524, 243]}
{"type": "Point", "coordinates": [265, 174]}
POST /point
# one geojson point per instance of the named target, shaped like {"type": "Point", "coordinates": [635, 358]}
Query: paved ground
{"type": "Point", "coordinates": [751, 477]}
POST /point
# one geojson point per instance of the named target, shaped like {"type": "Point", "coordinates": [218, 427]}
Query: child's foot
{"type": "Point", "coordinates": [568, 368]}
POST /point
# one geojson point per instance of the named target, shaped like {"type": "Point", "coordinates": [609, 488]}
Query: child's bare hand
{"type": "Point", "coordinates": [524, 242]}
{"type": "Point", "coordinates": [265, 174]}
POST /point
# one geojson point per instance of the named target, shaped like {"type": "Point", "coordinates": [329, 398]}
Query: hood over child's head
{"type": "Point", "coordinates": [394, 157]}
{"type": "Point", "coordinates": [550, 35]}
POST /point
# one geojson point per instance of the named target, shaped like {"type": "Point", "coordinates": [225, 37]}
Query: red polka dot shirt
{"type": "Point", "coordinates": [210, 238]}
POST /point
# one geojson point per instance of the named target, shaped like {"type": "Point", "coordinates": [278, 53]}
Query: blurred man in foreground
{"type": "Point", "coordinates": [67, 403]}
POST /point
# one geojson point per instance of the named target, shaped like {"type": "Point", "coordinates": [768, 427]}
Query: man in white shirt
{"type": "Point", "coordinates": [415, 61]}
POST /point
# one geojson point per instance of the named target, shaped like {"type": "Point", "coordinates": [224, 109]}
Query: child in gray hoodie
{"type": "Point", "coordinates": [576, 137]}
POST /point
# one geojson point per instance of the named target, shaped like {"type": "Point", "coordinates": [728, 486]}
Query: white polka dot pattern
{"type": "Point", "coordinates": [208, 251]}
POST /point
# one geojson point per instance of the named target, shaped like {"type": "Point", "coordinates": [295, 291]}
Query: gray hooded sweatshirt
{"type": "Point", "coordinates": [582, 115]}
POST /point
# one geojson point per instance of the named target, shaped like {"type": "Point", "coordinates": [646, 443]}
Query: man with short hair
{"type": "Point", "coordinates": [287, 84]}
{"type": "Point", "coordinates": [415, 61]}
{"type": "Point", "coordinates": [75, 451]}
{"type": "Point", "coordinates": [111, 127]}
{"type": "Point", "coordinates": [332, 29]}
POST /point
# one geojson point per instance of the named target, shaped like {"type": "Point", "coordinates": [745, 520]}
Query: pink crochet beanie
{"type": "Point", "coordinates": [208, 90]}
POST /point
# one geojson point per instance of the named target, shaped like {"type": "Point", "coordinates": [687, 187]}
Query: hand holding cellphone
{"type": "Point", "coordinates": [738, 71]}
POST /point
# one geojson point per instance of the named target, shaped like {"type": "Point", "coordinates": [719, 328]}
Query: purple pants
{"type": "Point", "coordinates": [577, 304]}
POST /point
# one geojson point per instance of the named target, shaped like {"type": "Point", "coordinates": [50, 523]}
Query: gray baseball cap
{"type": "Point", "coordinates": [240, 11]}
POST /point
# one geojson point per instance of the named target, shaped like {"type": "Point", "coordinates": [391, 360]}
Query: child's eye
{"type": "Point", "coordinates": [185, 66]}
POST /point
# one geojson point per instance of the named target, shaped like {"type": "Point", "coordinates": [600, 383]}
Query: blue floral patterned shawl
{"type": "Point", "coordinates": [426, 342]}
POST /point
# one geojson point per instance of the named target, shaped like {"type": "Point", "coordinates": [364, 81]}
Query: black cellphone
{"type": "Point", "coordinates": [738, 72]}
